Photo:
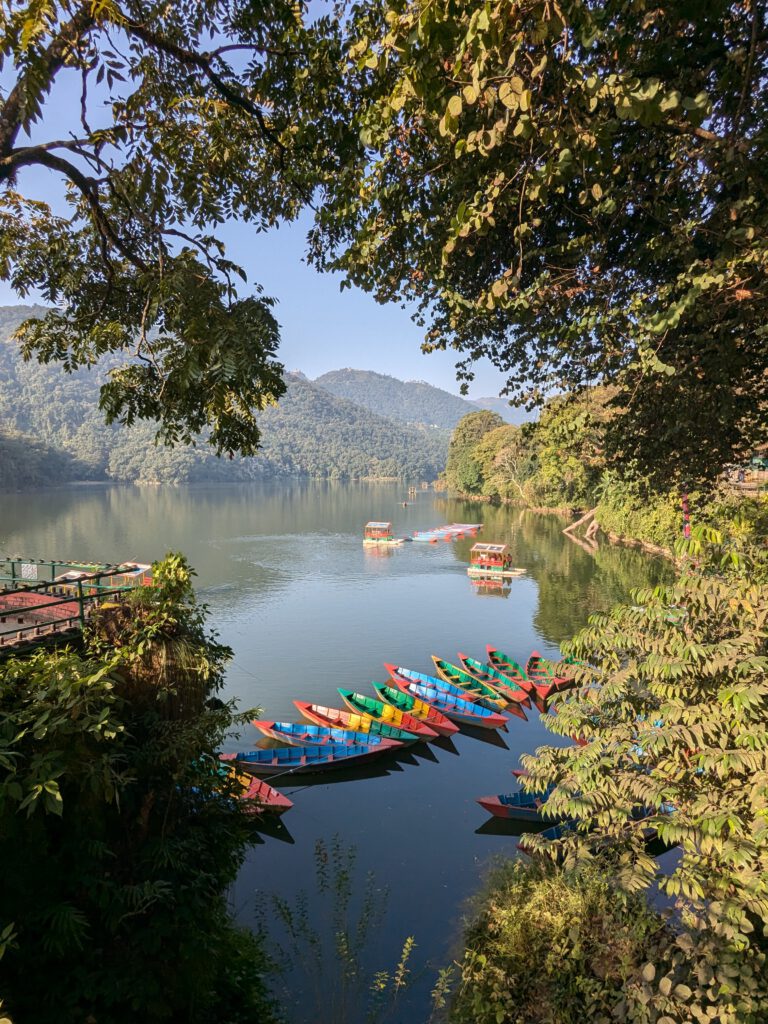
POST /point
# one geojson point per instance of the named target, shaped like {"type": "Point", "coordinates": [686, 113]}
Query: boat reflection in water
{"type": "Point", "coordinates": [491, 586]}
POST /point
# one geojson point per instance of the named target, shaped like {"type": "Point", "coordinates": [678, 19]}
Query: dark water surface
{"type": "Point", "coordinates": [307, 609]}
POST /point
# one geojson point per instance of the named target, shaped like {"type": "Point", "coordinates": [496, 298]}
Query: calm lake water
{"type": "Point", "coordinates": [307, 609]}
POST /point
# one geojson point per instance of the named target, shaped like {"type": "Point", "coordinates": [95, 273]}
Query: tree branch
{"type": "Point", "coordinates": [88, 188]}
{"type": "Point", "coordinates": [203, 62]}
{"type": "Point", "coordinates": [12, 111]}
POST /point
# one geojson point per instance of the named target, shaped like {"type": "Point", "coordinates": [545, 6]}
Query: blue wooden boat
{"type": "Point", "coordinates": [466, 712]}
{"type": "Point", "coordinates": [282, 760]}
{"type": "Point", "coordinates": [302, 734]}
{"type": "Point", "coordinates": [518, 806]}
{"type": "Point", "coordinates": [468, 689]}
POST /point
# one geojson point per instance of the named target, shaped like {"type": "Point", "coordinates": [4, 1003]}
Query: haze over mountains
{"type": "Point", "coordinates": [347, 424]}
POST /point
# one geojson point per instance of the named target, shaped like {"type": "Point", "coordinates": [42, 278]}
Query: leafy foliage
{"type": "Point", "coordinates": [462, 471]}
{"type": "Point", "coordinates": [575, 191]}
{"type": "Point", "coordinates": [671, 703]}
{"type": "Point", "coordinates": [546, 946]}
{"type": "Point", "coordinates": [190, 115]}
{"type": "Point", "coordinates": [118, 838]}
{"type": "Point", "coordinates": [560, 462]}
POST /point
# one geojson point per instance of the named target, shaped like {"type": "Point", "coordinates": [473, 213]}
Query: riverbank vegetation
{"type": "Point", "coordinates": [669, 710]}
{"type": "Point", "coordinates": [117, 835]}
{"type": "Point", "coordinates": [560, 462]}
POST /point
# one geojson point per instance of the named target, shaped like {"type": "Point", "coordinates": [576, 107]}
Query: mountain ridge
{"type": "Point", "coordinates": [309, 432]}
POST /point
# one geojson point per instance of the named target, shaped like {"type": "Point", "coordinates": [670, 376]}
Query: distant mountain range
{"type": "Point", "coordinates": [51, 431]}
{"type": "Point", "coordinates": [412, 401]}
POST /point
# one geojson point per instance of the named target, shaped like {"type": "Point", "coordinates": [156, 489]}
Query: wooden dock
{"type": "Point", "coordinates": [46, 602]}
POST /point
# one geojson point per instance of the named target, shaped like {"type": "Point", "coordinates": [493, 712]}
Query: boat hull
{"type": "Point", "coordinates": [301, 735]}
{"type": "Point", "coordinates": [307, 760]}
{"type": "Point", "coordinates": [418, 708]}
{"type": "Point", "coordinates": [386, 713]}
{"type": "Point", "coordinates": [338, 718]}
{"type": "Point", "coordinates": [454, 708]}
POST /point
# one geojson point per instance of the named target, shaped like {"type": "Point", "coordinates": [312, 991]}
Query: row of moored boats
{"type": "Point", "coordinates": [412, 707]}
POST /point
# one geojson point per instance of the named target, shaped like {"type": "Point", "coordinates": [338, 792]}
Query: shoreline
{"type": "Point", "coordinates": [573, 514]}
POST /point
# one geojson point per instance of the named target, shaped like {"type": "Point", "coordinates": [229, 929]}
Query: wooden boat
{"type": "Point", "coordinates": [541, 670]}
{"type": "Point", "coordinates": [539, 686]}
{"type": "Point", "coordinates": [266, 798]}
{"type": "Point", "coordinates": [450, 532]}
{"type": "Point", "coordinates": [509, 691]}
{"type": "Point", "coordinates": [293, 760]}
{"type": "Point", "coordinates": [466, 712]}
{"type": "Point", "coordinates": [418, 708]}
{"type": "Point", "coordinates": [385, 713]}
{"type": "Point", "coordinates": [516, 673]}
{"type": "Point", "coordinates": [508, 667]}
{"type": "Point", "coordinates": [468, 688]}
{"type": "Point", "coordinates": [301, 734]}
{"type": "Point", "coordinates": [336, 718]}
{"type": "Point", "coordinates": [518, 806]}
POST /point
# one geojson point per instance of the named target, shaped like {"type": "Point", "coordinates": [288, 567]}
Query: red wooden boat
{"type": "Point", "coordinates": [362, 722]}
{"type": "Point", "coordinates": [266, 797]}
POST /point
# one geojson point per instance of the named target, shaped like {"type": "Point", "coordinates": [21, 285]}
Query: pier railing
{"type": "Point", "coordinates": [32, 613]}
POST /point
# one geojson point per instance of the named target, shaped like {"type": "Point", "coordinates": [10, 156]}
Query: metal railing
{"type": "Point", "coordinates": [73, 601]}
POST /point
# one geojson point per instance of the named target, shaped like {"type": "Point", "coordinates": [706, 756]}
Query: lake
{"type": "Point", "coordinates": [307, 609]}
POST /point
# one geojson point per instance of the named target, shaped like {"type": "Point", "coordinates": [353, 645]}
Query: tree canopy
{"type": "Point", "coordinates": [576, 191]}
{"type": "Point", "coordinates": [188, 117]}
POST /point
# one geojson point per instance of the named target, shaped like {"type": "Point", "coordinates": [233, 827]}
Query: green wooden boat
{"type": "Point", "coordinates": [488, 674]}
{"type": "Point", "coordinates": [381, 712]}
{"type": "Point", "coordinates": [504, 689]}
{"type": "Point", "coordinates": [418, 708]}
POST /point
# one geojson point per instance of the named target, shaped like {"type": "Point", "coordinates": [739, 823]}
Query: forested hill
{"type": "Point", "coordinates": [407, 401]}
{"type": "Point", "coordinates": [51, 431]}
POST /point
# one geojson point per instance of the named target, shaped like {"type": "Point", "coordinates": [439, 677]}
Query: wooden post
{"type": "Point", "coordinates": [81, 603]}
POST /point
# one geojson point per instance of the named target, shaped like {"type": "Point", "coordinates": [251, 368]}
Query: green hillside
{"type": "Point", "coordinates": [51, 431]}
{"type": "Point", "coordinates": [411, 401]}
{"type": "Point", "coordinates": [406, 401]}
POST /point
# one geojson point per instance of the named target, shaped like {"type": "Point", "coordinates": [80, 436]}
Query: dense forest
{"type": "Point", "coordinates": [560, 462]}
{"type": "Point", "coordinates": [412, 401]}
{"type": "Point", "coordinates": [52, 430]}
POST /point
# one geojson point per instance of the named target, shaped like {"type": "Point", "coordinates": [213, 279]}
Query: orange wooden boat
{"type": "Point", "coordinates": [337, 718]}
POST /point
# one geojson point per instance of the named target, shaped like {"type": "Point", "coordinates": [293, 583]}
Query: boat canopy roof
{"type": "Point", "coordinates": [378, 526]}
{"type": "Point", "coordinates": [490, 549]}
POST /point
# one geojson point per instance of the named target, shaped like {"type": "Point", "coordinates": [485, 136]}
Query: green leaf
{"type": "Point", "coordinates": [454, 106]}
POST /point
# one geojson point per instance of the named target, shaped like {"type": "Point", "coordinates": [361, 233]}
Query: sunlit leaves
{"type": "Point", "coordinates": [673, 711]}
{"type": "Point", "coordinates": [629, 216]}
{"type": "Point", "coordinates": [215, 112]}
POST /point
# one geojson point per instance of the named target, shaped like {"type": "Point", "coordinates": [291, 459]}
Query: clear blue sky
{"type": "Point", "coordinates": [322, 328]}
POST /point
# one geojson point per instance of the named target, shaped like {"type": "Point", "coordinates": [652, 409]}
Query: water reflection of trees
{"type": "Point", "coordinates": [572, 583]}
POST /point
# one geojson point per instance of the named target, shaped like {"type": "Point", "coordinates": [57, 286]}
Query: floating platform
{"type": "Point", "coordinates": [494, 574]}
